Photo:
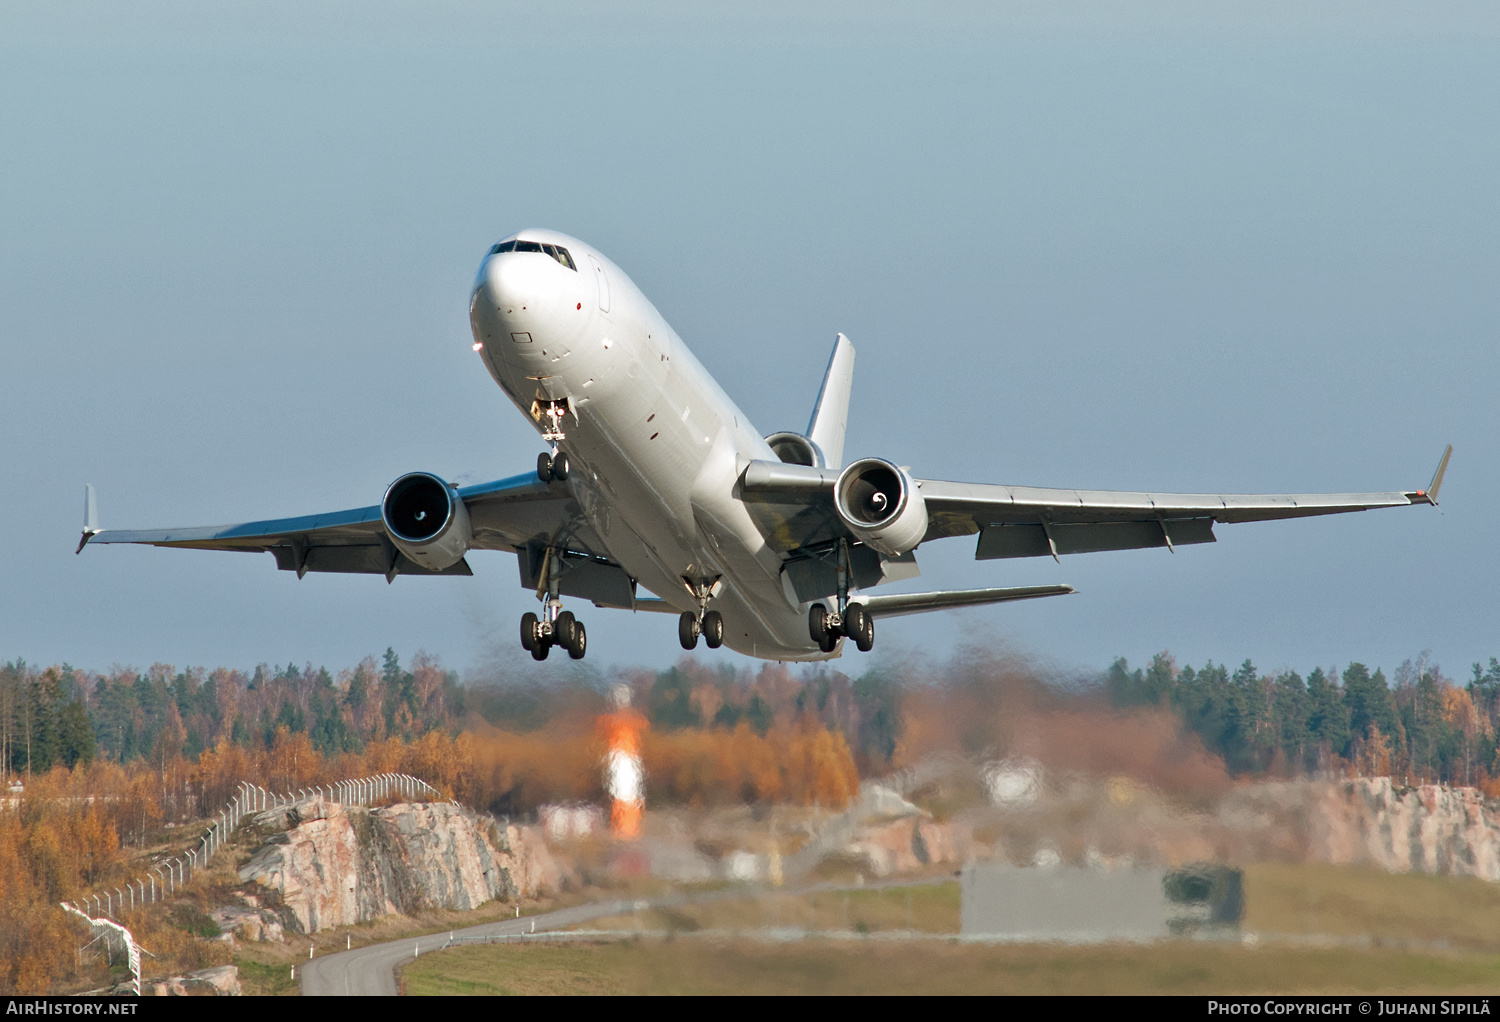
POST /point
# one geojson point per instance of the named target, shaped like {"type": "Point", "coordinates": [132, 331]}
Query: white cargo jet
{"type": "Point", "coordinates": [656, 481]}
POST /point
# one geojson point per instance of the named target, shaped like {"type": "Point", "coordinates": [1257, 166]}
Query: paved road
{"type": "Point", "coordinates": [371, 971]}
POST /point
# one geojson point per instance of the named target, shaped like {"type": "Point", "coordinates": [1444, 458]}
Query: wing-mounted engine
{"type": "Point", "coordinates": [796, 449]}
{"type": "Point", "coordinates": [881, 505]}
{"type": "Point", "coordinates": [426, 520]}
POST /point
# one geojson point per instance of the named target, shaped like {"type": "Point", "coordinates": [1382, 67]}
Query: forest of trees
{"type": "Point", "coordinates": [63, 717]}
{"type": "Point", "coordinates": [1423, 728]}
{"type": "Point", "coordinates": [103, 767]}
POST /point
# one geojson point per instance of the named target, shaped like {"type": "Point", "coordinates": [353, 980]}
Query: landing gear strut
{"type": "Point", "coordinates": [556, 627]}
{"type": "Point", "coordinates": [850, 619]}
{"type": "Point", "coordinates": [554, 412]}
{"type": "Point", "coordinates": [707, 623]}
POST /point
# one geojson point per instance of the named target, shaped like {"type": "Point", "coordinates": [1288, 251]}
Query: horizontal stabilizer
{"type": "Point", "coordinates": [917, 603]}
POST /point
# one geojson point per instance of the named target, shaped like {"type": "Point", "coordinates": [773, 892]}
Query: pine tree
{"type": "Point", "coordinates": [1328, 714]}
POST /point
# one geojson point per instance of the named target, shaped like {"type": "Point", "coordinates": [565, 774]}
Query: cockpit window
{"type": "Point", "coordinates": [561, 255]}
{"type": "Point", "coordinates": [555, 251]}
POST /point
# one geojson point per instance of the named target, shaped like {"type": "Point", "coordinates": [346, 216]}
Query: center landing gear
{"type": "Point", "coordinates": [707, 623]}
{"type": "Point", "coordinates": [710, 626]}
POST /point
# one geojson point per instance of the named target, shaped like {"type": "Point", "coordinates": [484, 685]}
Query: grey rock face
{"type": "Point", "coordinates": [223, 981]}
{"type": "Point", "coordinates": [335, 865]}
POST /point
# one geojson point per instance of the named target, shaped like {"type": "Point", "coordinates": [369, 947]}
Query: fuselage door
{"type": "Point", "coordinates": [603, 284]}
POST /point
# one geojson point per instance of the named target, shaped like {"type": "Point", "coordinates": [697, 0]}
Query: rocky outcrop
{"type": "Point", "coordinates": [248, 923]}
{"type": "Point", "coordinates": [1429, 828]}
{"type": "Point", "coordinates": [882, 830]}
{"type": "Point", "coordinates": [221, 982]}
{"type": "Point", "coordinates": [333, 865]}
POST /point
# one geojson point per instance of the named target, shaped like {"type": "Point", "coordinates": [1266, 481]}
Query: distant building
{"type": "Point", "coordinates": [1083, 905]}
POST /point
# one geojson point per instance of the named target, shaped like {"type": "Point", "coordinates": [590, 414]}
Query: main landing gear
{"type": "Point", "coordinates": [856, 622]}
{"type": "Point", "coordinates": [707, 623]}
{"type": "Point", "coordinates": [850, 619]}
{"type": "Point", "coordinates": [556, 627]}
{"type": "Point", "coordinates": [539, 635]}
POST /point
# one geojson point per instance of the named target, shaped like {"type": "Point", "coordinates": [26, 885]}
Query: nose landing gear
{"type": "Point", "coordinates": [554, 412]}
{"type": "Point", "coordinates": [552, 466]}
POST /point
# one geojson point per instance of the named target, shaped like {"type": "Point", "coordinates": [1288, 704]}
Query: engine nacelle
{"type": "Point", "coordinates": [796, 449]}
{"type": "Point", "coordinates": [880, 503]}
{"type": "Point", "coordinates": [426, 520]}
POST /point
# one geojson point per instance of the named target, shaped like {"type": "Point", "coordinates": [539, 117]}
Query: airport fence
{"type": "Point", "coordinates": [179, 870]}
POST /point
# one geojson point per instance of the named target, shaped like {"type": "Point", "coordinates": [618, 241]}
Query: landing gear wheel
{"type": "Point", "coordinates": [860, 626]}
{"type": "Point", "coordinates": [562, 629]}
{"type": "Point", "coordinates": [817, 623]}
{"type": "Point", "coordinates": [560, 466]}
{"type": "Point", "coordinates": [830, 641]}
{"type": "Point", "coordinates": [544, 467]}
{"type": "Point", "coordinates": [713, 629]}
{"type": "Point", "coordinates": [529, 624]}
{"type": "Point", "coordinates": [687, 630]}
{"type": "Point", "coordinates": [578, 641]}
{"type": "Point", "coordinates": [540, 650]}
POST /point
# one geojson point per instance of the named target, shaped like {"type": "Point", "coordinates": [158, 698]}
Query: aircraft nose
{"type": "Point", "coordinates": [511, 282]}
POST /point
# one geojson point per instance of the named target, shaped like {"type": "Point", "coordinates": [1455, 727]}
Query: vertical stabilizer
{"type": "Point", "coordinates": [831, 413]}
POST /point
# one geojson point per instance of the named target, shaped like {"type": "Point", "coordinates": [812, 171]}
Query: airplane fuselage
{"type": "Point", "coordinates": [655, 445]}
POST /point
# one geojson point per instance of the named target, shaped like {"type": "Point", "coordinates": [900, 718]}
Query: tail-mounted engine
{"type": "Point", "coordinates": [880, 503]}
{"type": "Point", "coordinates": [796, 449]}
{"type": "Point", "coordinates": [426, 520]}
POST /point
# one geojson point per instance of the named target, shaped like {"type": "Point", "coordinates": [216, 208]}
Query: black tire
{"type": "Point", "coordinates": [544, 467]}
{"type": "Point", "coordinates": [540, 650]}
{"type": "Point", "coordinates": [562, 629]}
{"type": "Point", "coordinates": [864, 638]}
{"type": "Point", "coordinates": [687, 630]}
{"type": "Point", "coordinates": [830, 641]}
{"type": "Point", "coordinates": [817, 623]}
{"type": "Point", "coordinates": [578, 642]}
{"type": "Point", "coordinates": [528, 630]}
{"type": "Point", "coordinates": [854, 621]}
{"type": "Point", "coordinates": [713, 629]}
{"type": "Point", "coordinates": [560, 467]}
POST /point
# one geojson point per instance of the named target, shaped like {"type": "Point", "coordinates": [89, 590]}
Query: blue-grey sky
{"type": "Point", "coordinates": [1151, 246]}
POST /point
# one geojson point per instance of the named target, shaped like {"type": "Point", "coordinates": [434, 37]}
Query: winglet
{"type": "Point", "coordinates": [1430, 495]}
{"type": "Point", "coordinates": [831, 413]}
{"type": "Point", "coordinates": [90, 517]}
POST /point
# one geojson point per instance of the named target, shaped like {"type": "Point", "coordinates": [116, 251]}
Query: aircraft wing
{"type": "Point", "coordinates": [520, 514]}
{"type": "Point", "coordinates": [1029, 521]}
